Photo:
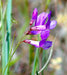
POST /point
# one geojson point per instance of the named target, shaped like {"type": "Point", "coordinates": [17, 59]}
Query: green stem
{"type": "Point", "coordinates": [31, 55]}
{"type": "Point", "coordinates": [10, 58]}
{"type": "Point", "coordinates": [36, 61]}
{"type": "Point", "coordinates": [51, 51]}
{"type": "Point", "coordinates": [3, 38]}
{"type": "Point", "coordinates": [44, 58]}
{"type": "Point", "coordinates": [46, 61]}
{"type": "Point", "coordinates": [6, 44]}
{"type": "Point", "coordinates": [11, 55]}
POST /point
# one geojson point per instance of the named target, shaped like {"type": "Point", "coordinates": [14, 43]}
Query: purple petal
{"type": "Point", "coordinates": [45, 44]}
{"type": "Point", "coordinates": [48, 21]}
{"type": "Point", "coordinates": [35, 32]}
{"type": "Point", "coordinates": [53, 24]}
{"type": "Point", "coordinates": [34, 14]}
{"type": "Point", "coordinates": [41, 18]}
{"type": "Point", "coordinates": [45, 34]}
{"type": "Point", "coordinates": [39, 28]}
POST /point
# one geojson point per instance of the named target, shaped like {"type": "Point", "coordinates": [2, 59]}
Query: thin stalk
{"type": "Point", "coordinates": [31, 51]}
{"type": "Point", "coordinates": [3, 38]}
{"type": "Point", "coordinates": [8, 20]}
{"type": "Point", "coordinates": [46, 62]}
{"type": "Point", "coordinates": [44, 58]}
{"type": "Point", "coordinates": [11, 46]}
{"type": "Point", "coordinates": [10, 58]}
{"type": "Point", "coordinates": [8, 35]}
{"type": "Point", "coordinates": [36, 61]}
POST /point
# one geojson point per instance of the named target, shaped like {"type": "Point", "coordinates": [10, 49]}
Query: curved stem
{"type": "Point", "coordinates": [47, 59]}
{"type": "Point", "coordinates": [46, 62]}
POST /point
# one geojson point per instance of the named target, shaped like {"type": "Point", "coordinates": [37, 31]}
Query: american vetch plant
{"type": "Point", "coordinates": [41, 27]}
{"type": "Point", "coordinates": [39, 24]}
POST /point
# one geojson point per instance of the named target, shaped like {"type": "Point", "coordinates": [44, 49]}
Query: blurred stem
{"type": "Point", "coordinates": [3, 38]}
{"type": "Point", "coordinates": [47, 2]}
{"type": "Point", "coordinates": [31, 53]}
{"type": "Point", "coordinates": [11, 58]}
{"type": "Point", "coordinates": [44, 58]}
{"type": "Point", "coordinates": [8, 37]}
{"type": "Point", "coordinates": [25, 13]}
{"type": "Point", "coordinates": [8, 20]}
{"type": "Point", "coordinates": [46, 61]}
{"type": "Point", "coordinates": [36, 61]}
{"type": "Point", "coordinates": [13, 54]}
{"type": "Point", "coordinates": [51, 51]}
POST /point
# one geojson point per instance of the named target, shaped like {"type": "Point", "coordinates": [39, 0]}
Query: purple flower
{"type": "Point", "coordinates": [43, 43]}
{"type": "Point", "coordinates": [39, 24]}
{"type": "Point", "coordinates": [42, 26]}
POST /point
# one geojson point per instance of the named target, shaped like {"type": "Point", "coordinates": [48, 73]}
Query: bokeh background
{"type": "Point", "coordinates": [21, 15]}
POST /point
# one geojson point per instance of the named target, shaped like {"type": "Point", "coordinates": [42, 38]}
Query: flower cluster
{"type": "Point", "coordinates": [42, 25]}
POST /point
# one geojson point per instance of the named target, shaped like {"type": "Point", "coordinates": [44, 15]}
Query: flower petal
{"type": "Point", "coordinates": [45, 34]}
{"type": "Point", "coordinates": [45, 44]}
{"type": "Point", "coordinates": [34, 43]}
{"type": "Point", "coordinates": [34, 32]}
{"type": "Point", "coordinates": [41, 18]}
{"type": "Point", "coordinates": [48, 21]}
{"type": "Point", "coordinates": [34, 16]}
{"type": "Point", "coordinates": [53, 24]}
{"type": "Point", "coordinates": [38, 28]}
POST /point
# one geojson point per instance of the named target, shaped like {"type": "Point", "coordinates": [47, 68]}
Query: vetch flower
{"type": "Point", "coordinates": [43, 43]}
{"type": "Point", "coordinates": [42, 26]}
{"type": "Point", "coordinates": [40, 22]}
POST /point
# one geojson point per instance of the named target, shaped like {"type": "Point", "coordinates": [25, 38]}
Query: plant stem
{"type": "Point", "coordinates": [8, 38]}
{"type": "Point", "coordinates": [46, 61]}
{"type": "Point", "coordinates": [44, 58]}
{"type": "Point", "coordinates": [36, 61]}
{"type": "Point", "coordinates": [51, 51]}
{"type": "Point", "coordinates": [3, 39]}
{"type": "Point", "coordinates": [6, 42]}
{"type": "Point", "coordinates": [31, 53]}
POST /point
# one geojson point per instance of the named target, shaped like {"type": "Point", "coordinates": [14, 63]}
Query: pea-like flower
{"type": "Point", "coordinates": [42, 25]}
{"type": "Point", "coordinates": [43, 43]}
